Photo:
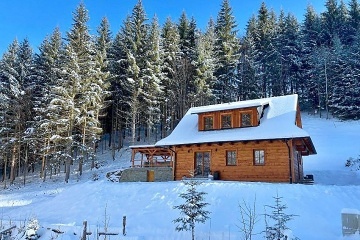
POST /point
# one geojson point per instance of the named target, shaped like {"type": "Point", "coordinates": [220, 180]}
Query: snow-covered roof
{"type": "Point", "coordinates": [277, 122]}
{"type": "Point", "coordinates": [228, 106]}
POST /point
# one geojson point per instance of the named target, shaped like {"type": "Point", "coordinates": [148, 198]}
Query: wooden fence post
{"type": "Point", "coordinates": [124, 225]}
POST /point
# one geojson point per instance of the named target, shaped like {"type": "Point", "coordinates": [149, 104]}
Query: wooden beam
{"type": "Point", "coordinates": [300, 148]}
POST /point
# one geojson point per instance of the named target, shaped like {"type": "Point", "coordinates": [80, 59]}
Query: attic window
{"type": "Point", "coordinates": [226, 121]}
{"type": "Point", "coordinates": [246, 120]}
{"type": "Point", "coordinates": [208, 122]}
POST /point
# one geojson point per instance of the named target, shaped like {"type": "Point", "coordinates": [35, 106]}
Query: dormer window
{"type": "Point", "coordinates": [246, 120]}
{"type": "Point", "coordinates": [226, 121]}
{"type": "Point", "coordinates": [208, 122]}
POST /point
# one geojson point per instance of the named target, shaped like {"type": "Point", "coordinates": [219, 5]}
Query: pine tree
{"type": "Point", "coordinates": [185, 70]}
{"type": "Point", "coordinates": [135, 37]}
{"type": "Point", "coordinates": [193, 210]}
{"type": "Point", "coordinates": [120, 86]}
{"type": "Point", "coordinates": [65, 110]}
{"type": "Point", "coordinates": [330, 22]}
{"type": "Point", "coordinates": [152, 75]}
{"type": "Point", "coordinates": [171, 54]}
{"type": "Point", "coordinates": [16, 68]}
{"type": "Point", "coordinates": [343, 19]}
{"type": "Point", "coordinates": [83, 72]}
{"type": "Point", "coordinates": [248, 67]}
{"type": "Point", "coordinates": [205, 65]}
{"type": "Point", "coordinates": [289, 47]}
{"type": "Point", "coordinates": [346, 88]}
{"type": "Point", "coordinates": [227, 55]}
{"type": "Point", "coordinates": [10, 90]}
{"type": "Point", "coordinates": [311, 40]}
{"type": "Point", "coordinates": [48, 67]}
{"type": "Point", "coordinates": [354, 20]}
{"type": "Point", "coordinates": [103, 43]}
{"type": "Point", "coordinates": [267, 57]}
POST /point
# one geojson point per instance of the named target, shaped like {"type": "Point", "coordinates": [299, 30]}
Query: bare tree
{"type": "Point", "coordinates": [248, 219]}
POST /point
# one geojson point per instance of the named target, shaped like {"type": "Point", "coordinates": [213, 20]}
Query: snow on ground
{"type": "Point", "coordinates": [149, 206]}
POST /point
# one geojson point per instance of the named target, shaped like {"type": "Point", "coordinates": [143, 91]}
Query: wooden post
{"type": "Point", "coordinates": [84, 231]}
{"type": "Point", "coordinates": [124, 225]}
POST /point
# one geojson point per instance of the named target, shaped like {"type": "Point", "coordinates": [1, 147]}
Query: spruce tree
{"type": "Point", "coordinates": [10, 91]}
{"type": "Point", "coordinates": [354, 20]}
{"type": "Point", "coordinates": [311, 40]}
{"type": "Point", "coordinates": [48, 67]}
{"type": "Point", "coordinates": [227, 55]}
{"type": "Point", "coordinates": [15, 72]}
{"type": "Point", "coordinates": [84, 73]}
{"type": "Point", "coordinates": [119, 84]}
{"type": "Point", "coordinates": [205, 65]}
{"type": "Point", "coordinates": [248, 68]}
{"type": "Point", "coordinates": [171, 55]}
{"type": "Point", "coordinates": [152, 74]}
{"type": "Point", "coordinates": [185, 69]}
{"type": "Point", "coordinates": [277, 220]}
{"type": "Point", "coordinates": [192, 211]}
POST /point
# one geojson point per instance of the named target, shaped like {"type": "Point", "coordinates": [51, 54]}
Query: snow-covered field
{"type": "Point", "coordinates": [148, 207]}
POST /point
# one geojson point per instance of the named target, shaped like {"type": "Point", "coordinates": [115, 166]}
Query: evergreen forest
{"type": "Point", "coordinates": [58, 102]}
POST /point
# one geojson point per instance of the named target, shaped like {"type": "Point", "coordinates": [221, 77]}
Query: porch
{"type": "Point", "coordinates": [151, 156]}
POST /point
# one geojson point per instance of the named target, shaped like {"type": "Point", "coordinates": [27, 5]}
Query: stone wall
{"type": "Point", "coordinates": [161, 174]}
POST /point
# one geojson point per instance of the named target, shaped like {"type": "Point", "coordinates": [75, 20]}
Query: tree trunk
{"type": "Point", "coordinates": [133, 126]}
{"type": "Point", "coordinates": [13, 165]}
{"type": "Point", "coordinates": [26, 163]}
{"type": "Point", "coordinates": [67, 168]}
{"type": "Point", "coordinates": [5, 170]}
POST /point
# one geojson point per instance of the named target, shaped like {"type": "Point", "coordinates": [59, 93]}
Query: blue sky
{"type": "Point", "coordinates": [35, 19]}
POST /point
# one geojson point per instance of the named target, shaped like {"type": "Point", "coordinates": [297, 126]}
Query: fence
{"type": "Point", "coordinates": [350, 221]}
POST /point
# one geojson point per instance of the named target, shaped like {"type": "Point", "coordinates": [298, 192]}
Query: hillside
{"type": "Point", "coordinates": [149, 206]}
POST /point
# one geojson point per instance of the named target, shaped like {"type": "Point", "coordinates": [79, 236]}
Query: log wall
{"type": "Point", "coordinates": [275, 169]}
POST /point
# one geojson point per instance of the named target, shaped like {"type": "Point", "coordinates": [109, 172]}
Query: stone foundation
{"type": "Point", "coordinates": [160, 174]}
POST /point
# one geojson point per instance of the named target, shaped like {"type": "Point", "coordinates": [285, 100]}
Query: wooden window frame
{"type": "Point", "coordinates": [203, 170]}
{"type": "Point", "coordinates": [204, 123]}
{"type": "Point", "coordinates": [227, 158]}
{"type": "Point", "coordinates": [257, 156]}
{"type": "Point", "coordinates": [241, 118]}
{"type": "Point", "coordinates": [221, 120]}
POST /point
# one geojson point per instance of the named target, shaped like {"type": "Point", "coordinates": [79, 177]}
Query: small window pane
{"type": "Point", "coordinates": [208, 123]}
{"type": "Point", "coordinates": [226, 121]}
{"type": "Point", "coordinates": [259, 157]}
{"type": "Point", "coordinates": [230, 158]}
{"type": "Point", "coordinates": [246, 120]}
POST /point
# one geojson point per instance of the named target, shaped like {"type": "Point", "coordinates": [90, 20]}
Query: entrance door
{"type": "Point", "coordinates": [202, 164]}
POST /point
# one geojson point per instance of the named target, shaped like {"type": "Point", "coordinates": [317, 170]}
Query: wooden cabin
{"type": "Point", "coordinates": [255, 140]}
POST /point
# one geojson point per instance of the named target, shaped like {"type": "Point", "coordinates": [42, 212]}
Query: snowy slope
{"type": "Point", "coordinates": [149, 206]}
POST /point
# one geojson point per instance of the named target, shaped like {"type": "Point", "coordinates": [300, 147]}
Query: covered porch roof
{"type": "Point", "coordinates": [151, 156]}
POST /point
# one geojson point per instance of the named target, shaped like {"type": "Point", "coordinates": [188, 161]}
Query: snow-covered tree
{"type": "Point", "coordinates": [47, 72]}
{"type": "Point", "coordinates": [277, 220]}
{"type": "Point", "coordinates": [91, 87]}
{"type": "Point", "coordinates": [150, 95]}
{"type": "Point", "coordinates": [227, 55]}
{"type": "Point", "coordinates": [193, 210]}
{"type": "Point", "coordinates": [311, 40]}
{"type": "Point", "coordinates": [247, 68]}
{"type": "Point", "coordinates": [171, 54]}
{"type": "Point", "coordinates": [119, 85]}
{"type": "Point", "coordinates": [354, 20]}
{"type": "Point", "coordinates": [204, 67]}
{"type": "Point", "coordinates": [15, 71]}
